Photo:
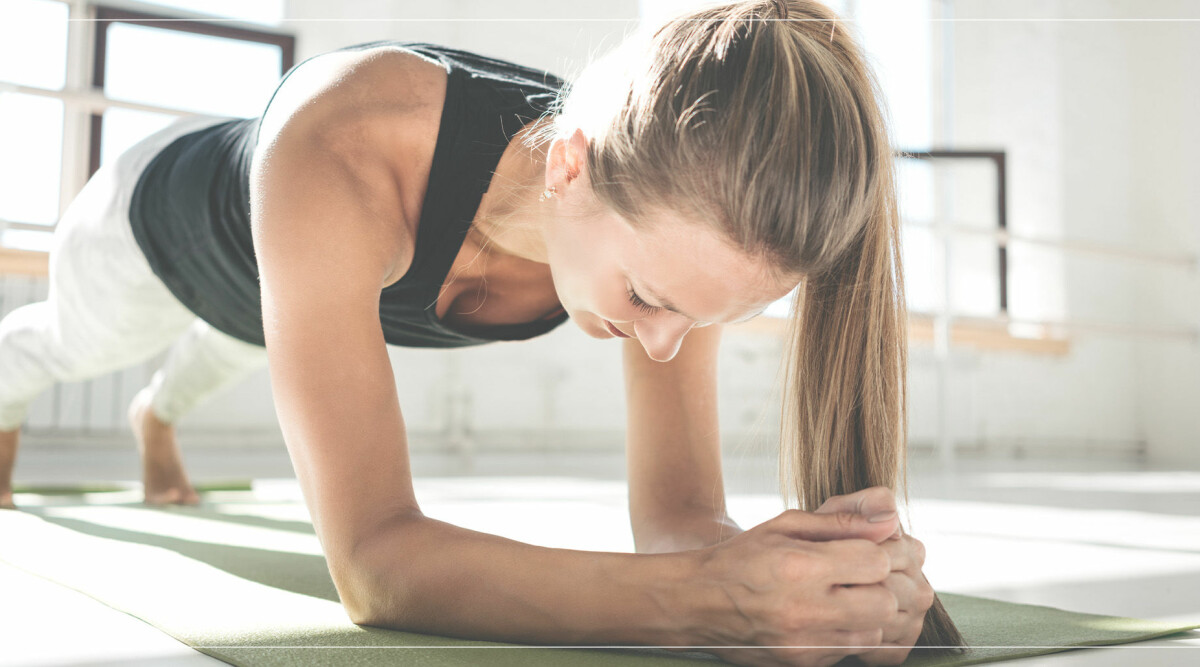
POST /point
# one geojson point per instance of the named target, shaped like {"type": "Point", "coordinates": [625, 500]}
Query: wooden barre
{"type": "Point", "coordinates": [24, 262]}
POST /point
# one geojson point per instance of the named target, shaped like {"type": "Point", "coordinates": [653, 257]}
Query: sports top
{"type": "Point", "coordinates": [190, 210]}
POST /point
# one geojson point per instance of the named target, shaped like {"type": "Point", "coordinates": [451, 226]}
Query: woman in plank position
{"type": "Point", "coordinates": [412, 194]}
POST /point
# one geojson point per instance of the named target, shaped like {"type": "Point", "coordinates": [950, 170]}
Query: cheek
{"type": "Point", "coordinates": [587, 276]}
{"type": "Point", "coordinates": [568, 268]}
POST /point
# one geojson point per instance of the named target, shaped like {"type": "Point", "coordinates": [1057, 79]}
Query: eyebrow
{"type": "Point", "coordinates": [665, 303]}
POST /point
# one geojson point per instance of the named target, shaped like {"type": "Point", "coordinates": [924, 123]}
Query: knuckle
{"type": "Point", "coordinates": [925, 597]}
{"type": "Point", "coordinates": [864, 640]}
{"type": "Point", "coordinates": [846, 520]}
{"type": "Point", "coordinates": [869, 559]}
{"type": "Point", "coordinates": [791, 514]}
{"type": "Point", "coordinates": [888, 605]}
{"type": "Point", "coordinates": [840, 616]}
{"type": "Point", "coordinates": [877, 561]}
{"type": "Point", "coordinates": [918, 551]}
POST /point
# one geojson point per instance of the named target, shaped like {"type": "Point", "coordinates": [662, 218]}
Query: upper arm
{"type": "Point", "coordinates": [673, 440]}
{"type": "Point", "coordinates": [326, 240]}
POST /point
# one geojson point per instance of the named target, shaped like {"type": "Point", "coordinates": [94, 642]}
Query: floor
{"type": "Point", "coordinates": [1100, 535]}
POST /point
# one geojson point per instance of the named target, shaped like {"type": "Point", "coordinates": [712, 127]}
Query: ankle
{"type": "Point", "coordinates": [150, 419]}
{"type": "Point", "coordinates": [141, 411]}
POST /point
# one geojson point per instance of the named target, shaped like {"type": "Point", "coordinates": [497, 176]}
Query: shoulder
{"type": "Point", "coordinates": [347, 140]}
{"type": "Point", "coordinates": [338, 91]}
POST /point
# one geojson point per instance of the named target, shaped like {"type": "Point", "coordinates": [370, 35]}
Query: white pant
{"type": "Point", "coordinates": [106, 309]}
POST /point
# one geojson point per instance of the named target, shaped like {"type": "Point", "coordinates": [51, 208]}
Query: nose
{"type": "Point", "coordinates": [661, 334]}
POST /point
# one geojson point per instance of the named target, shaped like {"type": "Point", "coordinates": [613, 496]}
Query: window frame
{"type": "Point", "coordinates": [999, 162]}
{"type": "Point", "coordinates": [84, 102]}
{"type": "Point", "coordinates": [106, 16]}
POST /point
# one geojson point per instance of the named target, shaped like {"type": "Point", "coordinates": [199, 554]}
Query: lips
{"type": "Point", "coordinates": [615, 331]}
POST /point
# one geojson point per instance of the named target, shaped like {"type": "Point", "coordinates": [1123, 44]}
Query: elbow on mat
{"type": "Point", "coordinates": [373, 579]}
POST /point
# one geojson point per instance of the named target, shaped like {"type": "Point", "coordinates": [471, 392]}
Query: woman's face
{"type": "Point", "coordinates": [651, 284]}
{"type": "Point", "coordinates": [656, 284]}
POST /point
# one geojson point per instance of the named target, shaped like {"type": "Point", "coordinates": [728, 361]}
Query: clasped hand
{"type": "Point", "coordinates": [810, 588]}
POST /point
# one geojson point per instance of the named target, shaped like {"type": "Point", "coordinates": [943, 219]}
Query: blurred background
{"type": "Point", "coordinates": [1051, 233]}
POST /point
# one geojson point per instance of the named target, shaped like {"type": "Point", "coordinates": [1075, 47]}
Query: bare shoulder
{"type": "Point", "coordinates": [355, 87]}
{"type": "Point", "coordinates": [348, 140]}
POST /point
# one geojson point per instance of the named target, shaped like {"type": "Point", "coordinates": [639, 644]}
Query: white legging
{"type": "Point", "coordinates": [106, 309]}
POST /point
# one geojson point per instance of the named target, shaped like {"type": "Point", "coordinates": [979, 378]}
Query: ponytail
{"type": "Point", "coordinates": [844, 421]}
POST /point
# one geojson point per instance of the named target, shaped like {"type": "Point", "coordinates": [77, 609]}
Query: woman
{"type": "Point", "coordinates": [418, 195]}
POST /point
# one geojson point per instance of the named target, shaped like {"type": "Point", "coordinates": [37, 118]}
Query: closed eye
{"type": "Point", "coordinates": [639, 304]}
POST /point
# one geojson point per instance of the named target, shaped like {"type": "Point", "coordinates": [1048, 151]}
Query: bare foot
{"type": "Point", "coordinates": [8, 458]}
{"type": "Point", "coordinates": [163, 477]}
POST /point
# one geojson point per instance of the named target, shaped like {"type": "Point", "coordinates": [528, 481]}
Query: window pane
{"type": "Point", "coordinates": [23, 239]}
{"type": "Point", "coordinates": [269, 12]}
{"type": "Point", "coordinates": [972, 184]}
{"type": "Point", "coordinates": [33, 43]}
{"type": "Point", "coordinates": [30, 158]}
{"type": "Point", "coordinates": [974, 276]}
{"type": "Point", "coordinates": [1037, 286]}
{"type": "Point", "coordinates": [922, 269]}
{"type": "Point", "coordinates": [208, 75]}
{"type": "Point", "coordinates": [897, 37]}
{"type": "Point", "coordinates": [125, 127]}
{"type": "Point", "coordinates": [914, 184]}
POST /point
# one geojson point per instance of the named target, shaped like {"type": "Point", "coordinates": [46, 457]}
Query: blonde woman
{"type": "Point", "coordinates": [417, 195]}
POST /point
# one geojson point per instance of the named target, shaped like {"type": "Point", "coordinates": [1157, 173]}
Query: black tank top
{"type": "Point", "coordinates": [190, 210]}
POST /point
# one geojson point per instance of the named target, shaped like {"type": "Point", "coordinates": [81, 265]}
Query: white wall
{"type": "Point", "coordinates": [1096, 118]}
{"type": "Point", "coordinates": [1165, 196]}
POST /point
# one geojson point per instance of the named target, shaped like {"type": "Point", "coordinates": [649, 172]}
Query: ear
{"type": "Point", "coordinates": [566, 159]}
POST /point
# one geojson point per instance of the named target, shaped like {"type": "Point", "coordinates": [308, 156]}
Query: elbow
{"type": "Point", "coordinates": [359, 614]}
{"type": "Point", "coordinates": [359, 586]}
{"type": "Point", "coordinates": [373, 579]}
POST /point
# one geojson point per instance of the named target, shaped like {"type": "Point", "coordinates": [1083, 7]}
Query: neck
{"type": "Point", "coordinates": [510, 219]}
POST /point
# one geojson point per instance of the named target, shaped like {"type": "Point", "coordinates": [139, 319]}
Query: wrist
{"type": "Point", "coordinates": [685, 600]}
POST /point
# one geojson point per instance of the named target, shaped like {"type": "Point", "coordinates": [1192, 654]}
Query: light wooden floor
{"type": "Point", "coordinates": [1099, 536]}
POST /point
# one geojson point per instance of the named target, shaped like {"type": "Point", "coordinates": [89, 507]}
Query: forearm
{"type": "Point", "coordinates": [428, 576]}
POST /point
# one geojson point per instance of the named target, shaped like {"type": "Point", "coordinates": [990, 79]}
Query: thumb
{"type": "Point", "coordinates": [870, 501]}
{"type": "Point", "coordinates": [876, 500]}
{"type": "Point", "coordinates": [823, 527]}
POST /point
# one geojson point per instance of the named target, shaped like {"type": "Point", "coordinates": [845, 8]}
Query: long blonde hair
{"type": "Point", "coordinates": [775, 132]}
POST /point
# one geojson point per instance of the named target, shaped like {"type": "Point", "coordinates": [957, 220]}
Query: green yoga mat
{"type": "Point", "coordinates": [242, 580]}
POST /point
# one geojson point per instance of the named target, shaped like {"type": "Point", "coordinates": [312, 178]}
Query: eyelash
{"type": "Point", "coordinates": [639, 304]}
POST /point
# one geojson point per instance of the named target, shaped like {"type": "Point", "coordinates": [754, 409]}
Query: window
{"type": "Point", "coordinates": [64, 113]}
{"type": "Point", "coordinates": [33, 49]}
